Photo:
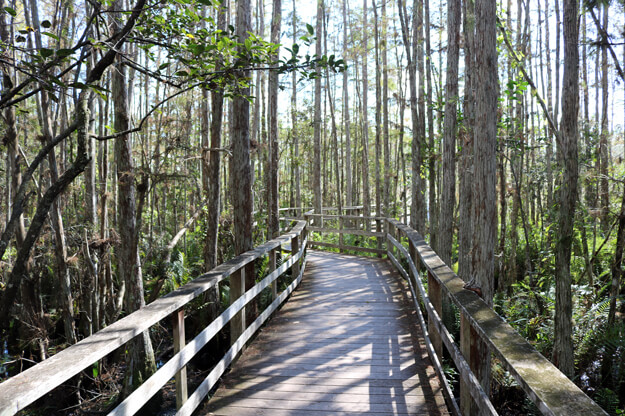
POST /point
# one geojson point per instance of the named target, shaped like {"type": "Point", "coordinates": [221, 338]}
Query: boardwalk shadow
{"type": "Point", "coordinates": [346, 343]}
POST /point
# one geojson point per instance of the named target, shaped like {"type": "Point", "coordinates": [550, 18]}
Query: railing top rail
{"type": "Point", "coordinates": [551, 391]}
{"type": "Point", "coordinates": [24, 388]}
{"type": "Point", "coordinates": [353, 217]}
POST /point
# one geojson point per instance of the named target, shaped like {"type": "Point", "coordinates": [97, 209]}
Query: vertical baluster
{"type": "Point", "coordinates": [476, 354]}
{"type": "Point", "coordinates": [272, 267]}
{"type": "Point", "coordinates": [379, 240]}
{"type": "Point", "coordinates": [237, 289]}
{"type": "Point", "coordinates": [179, 343]}
{"type": "Point", "coordinates": [391, 231]}
{"type": "Point", "coordinates": [341, 238]}
{"type": "Point", "coordinates": [294, 251]}
{"type": "Point", "coordinates": [436, 298]}
{"type": "Point", "coordinates": [398, 237]}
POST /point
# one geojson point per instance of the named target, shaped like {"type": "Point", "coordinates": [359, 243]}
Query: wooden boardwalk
{"type": "Point", "coordinates": [346, 343]}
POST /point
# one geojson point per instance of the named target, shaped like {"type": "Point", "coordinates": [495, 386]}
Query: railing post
{"type": "Point", "coordinates": [272, 267]}
{"type": "Point", "coordinates": [391, 231]}
{"type": "Point", "coordinates": [476, 353]}
{"type": "Point", "coordinates": [294, 251]}
{"type": "Point", "coordinates": [341, 237]}
{"type": "Point", "coordinates": [378, 228]}
{"type": "Point", "coordinates": [237, 289]}
{"type": "Point", "coordinates": [398, 237]}
{"type": "Point", "coordinates": [436, 298]}
{"type": "Point", "coordinates": [179, 343]}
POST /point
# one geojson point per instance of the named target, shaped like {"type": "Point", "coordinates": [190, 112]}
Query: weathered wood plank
{"type": "Point", "coordinates": [346, 247]}
{"type": "Point", "coordinates": [322, 356]}
{"type": "Point", "coordinates": [348, 217]}
{"type": "Point", "coordinates": [348, 231]}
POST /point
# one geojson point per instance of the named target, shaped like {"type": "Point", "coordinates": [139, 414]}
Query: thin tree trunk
{"type": "Point", "coordinates": [365, 120]}
{"type": "Point", "coordinates": [317, 203]}
{"type": "Point", "coordinates": [60, 247]}
{"type": "Point", "coordinates": [567, 158]}
{"type": "Point", "coordinates": [465, 223]}
{"type": "Point", "coordinates": [604, 196]}
{"type": "Point", "coordinates": [140, 362]}
{"type": "Point", "coordinates": [298, 193]}
{"type": "Point", "coordinates": [378, 116]}
{"type": "Point", "coordinates": [346, 118]}
{"type": "Point", "coordinates": [385, 133]}
{"type": "Point", "coordinates": [485, 144]}
{"type": "Point", "coordinates": [274, 225]}
{"type": "Point", "coordinates": [448, 191]}
{"type": "Point", "coordinates": [241, 170]}
{"type": "Point", "coordinates": [433, 151]}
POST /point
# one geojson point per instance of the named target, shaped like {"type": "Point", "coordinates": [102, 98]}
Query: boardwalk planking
{"type": "Point", "coordinates": [347, 343]}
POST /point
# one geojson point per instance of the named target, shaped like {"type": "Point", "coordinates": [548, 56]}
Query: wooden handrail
{"type": "Point", "coordinates": [550, 390]}
{"type": "Point", "coordinates": [30, 385]}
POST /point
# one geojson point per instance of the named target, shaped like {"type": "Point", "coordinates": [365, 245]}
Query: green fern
{"type": "Point", "coordinates": [608, 400]}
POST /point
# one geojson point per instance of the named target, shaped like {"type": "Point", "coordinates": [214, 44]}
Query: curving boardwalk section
{"type": "Point", "coordinates": [346, 343]}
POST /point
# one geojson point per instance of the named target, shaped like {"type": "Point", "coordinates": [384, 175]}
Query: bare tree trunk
{"type": "Point", "coordinates": [298, 193]}
{"type": "Point", "coordinates": [141, 363]}
{"type": "Point", "coordinates": [334, 133]}
{"type": "Point", "coordinates": [603, 137]}
{"type": "Point", "coordinates": [60, 247]}
{"type": "Point", "coordinates": [274, 225]}
{"type": "Point", "coordinates": [317, 203]}
{"type": "Point", "coordinates": [241, 170]}
{"type": "Point", "coordinates": [387, 150]}
{"type": "Point", "coordinates": [448, 191]}
{"type": "Point", "coordinates": [485, 144]}
{"type": "Point", "coordinates": [465, 213]}
{"type": "Point", "coordinates": [346, 119]}
{"type": "Point", "coordinates": [417, 206]}
{"type": "Point", "coordinates": [365, 120]}
{"type": "Point", "coordinates": [567, 158]}
{"type": "Point", "coordinates": [433, 150]}
{"type": "Point", "coordinates": [549, 147]}
{"type": "Point", "coordinates": [378, 115]}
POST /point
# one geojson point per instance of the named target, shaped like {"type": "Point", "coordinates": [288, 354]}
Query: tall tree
{"type": "Point", "coordinates": [274, 225]}
{"type": "Point", "coordinates": [296, 162]}
{"type": "Point", "coordinates": [448, 189]}
{"type": "Point", "coordinates": [433, 150]}
{"type": "Point", "coordinates": [603, 137]}
{"type": "Point", "coordinates": [212, 159]}
{"type": "Point", "coordinates": [465, 213]}
{"type": "Point", "coordinates": [567, 194]}
{"type": "Point", "coordinates": [317, 202]}
{"type": "Point", "coordinates": [485, 162]}
{"type": "Point", "coordinates": [408, 27]}
{"type": "Point", "coordinates": [366, 198]}
{"type": "Point", "coordinates": [346, 118]}
{"type": "Point", "coordinates": [60, 246]}
{"type": "Point", "coordinates": [241, 169]}
{"type": "Point", "coordinates": [378, 114]}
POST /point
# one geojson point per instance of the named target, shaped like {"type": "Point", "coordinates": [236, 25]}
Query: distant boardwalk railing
{"type": "Point", "coordinates": [25, 388]}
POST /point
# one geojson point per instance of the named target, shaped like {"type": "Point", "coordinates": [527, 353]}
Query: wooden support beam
{"type": "Point", "coordinates": [294, 251]}
{"type": "Point", "coordinates": [237, 289]}
{"type": "Point", "coordinates": [436, 297]}
{"type": "Point", "coordinates": [179, 343]}
{"type": "Point", "coordinates": [270, 268]}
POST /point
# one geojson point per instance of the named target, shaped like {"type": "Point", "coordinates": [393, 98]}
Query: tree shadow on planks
{"type": "Point", "coordinates": [346, 343]}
